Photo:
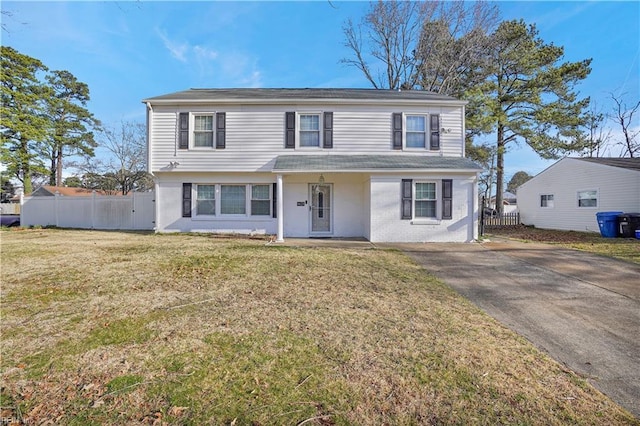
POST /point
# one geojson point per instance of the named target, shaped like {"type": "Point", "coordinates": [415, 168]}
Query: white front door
{"type": "Point", "coordinates": [320, 210]}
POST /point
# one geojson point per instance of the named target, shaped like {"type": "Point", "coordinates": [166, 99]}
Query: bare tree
{"type": "Point", "coordinates": [125, 169]}
{"type": "Point", "coordinates": [384, 53]}
{"type": "Point", "coordinates": [128, 165]}
{"type": "Point", "coordinates": [623, 116]}
{"type": "Point", "coordinates": [452, 46]}
{"type": "Point", "coordinates": [432, 45]}
{"type": "Point", "coordinates": [596, 136]}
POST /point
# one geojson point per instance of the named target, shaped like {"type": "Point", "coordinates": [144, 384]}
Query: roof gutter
{"type": "Point", "coordinates": [306, 101]}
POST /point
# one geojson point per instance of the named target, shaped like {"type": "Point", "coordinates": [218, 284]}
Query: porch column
{"type": "Point", "coordinates": [280, 208]}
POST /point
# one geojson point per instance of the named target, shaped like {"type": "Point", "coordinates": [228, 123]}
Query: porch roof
{"type": "Point", "coordinates": [378, 163]}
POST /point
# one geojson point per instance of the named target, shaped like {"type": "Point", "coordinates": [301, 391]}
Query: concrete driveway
{"type": "Point", "coordinates": [582, 309]}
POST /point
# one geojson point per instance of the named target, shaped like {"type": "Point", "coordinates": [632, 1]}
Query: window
{"type": "Point", "coordinates": [416, 131]}
{"type": "Point", "coordinates": [238, 200]}
{"type": "Point", "coordinates": [546, 200]}
{"type": "Point", "coordinates": [309, 130]}
{"type": "Point", "coordinates": [206, 200]}
{"type": "Point", "coordinates": [203, 130]}
{"type": "Point", "coordinates": [233, 199]}
{"type": "Point", "coordinates": [425, 199]}
{"type": "Point", "coordinates": [260, 200]}
{"type": "Point", "coordinates": [588, 198]}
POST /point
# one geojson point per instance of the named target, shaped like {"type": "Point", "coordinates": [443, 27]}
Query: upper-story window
{"type": "Point", "coordinates": [309, 130]}
{"type": "Point", "coordinates": [416, 132]}
{"type": "Point", "coordinates": [203, 130]}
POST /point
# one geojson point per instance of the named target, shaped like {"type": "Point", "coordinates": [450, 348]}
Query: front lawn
{"type": "Point", "coordinates": [621, 248]}
{"type": "Point", "coordinates": [124, 328]}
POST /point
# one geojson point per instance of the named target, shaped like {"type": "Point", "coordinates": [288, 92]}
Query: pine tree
{"type": "Point", "coordinates": [23, 123]}
{"type": "Point", "coordinates": [529, 95]}
{"type": "Point", "coordinates": [71, 123]}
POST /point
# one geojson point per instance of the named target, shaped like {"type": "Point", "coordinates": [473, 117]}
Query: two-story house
{"type": "Point", "coordinates": [385, 165]}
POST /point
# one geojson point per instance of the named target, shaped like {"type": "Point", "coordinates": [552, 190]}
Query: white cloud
{"type": "Point", "coordinates": [177, 50]}
{"type": "Point", "coordinates": [204, 53]}
{"type": "Point", "coordinates": [252, 80]}
{"type": "Point", "coordinates": [210, 67]}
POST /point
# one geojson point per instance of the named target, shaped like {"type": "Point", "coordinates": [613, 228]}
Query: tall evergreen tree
{"type": "Point", "coordinates": [529, 95]}
{"type": "Point", "coordinates": [23, 123]}
{"type": "Point", "coordinates": [71, 123]}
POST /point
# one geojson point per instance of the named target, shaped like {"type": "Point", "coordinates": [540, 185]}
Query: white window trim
{"type": "Point", "coordinates": [192, 130]}
{"type": "Point", "coordinates": [597, 191]}
{"type": "Point", "coordinates": [320, 130]}
{"type": "Point", "coordinates": [437, 219]}
{"type": "Point", "coordinates": [427, 132]}
{"type": "Point", "coordinates": [218, 215]}
{"type": "Point", "coordinates": [547, 206]}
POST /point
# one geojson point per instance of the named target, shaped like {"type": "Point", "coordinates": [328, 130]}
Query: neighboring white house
{"type": "Point", "coordinates": [568, 194]}
{"type": "Point", "coordinates": [380, 164]}
{"type": "Point", "coordinates": [509, 202]}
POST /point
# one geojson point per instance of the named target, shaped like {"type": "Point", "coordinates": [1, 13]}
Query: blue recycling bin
{"type": "Point", "coordinates": [608, 223]}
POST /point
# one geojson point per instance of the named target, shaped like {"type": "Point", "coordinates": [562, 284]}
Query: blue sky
{"type": "Point", "coordinates": [128, 51]}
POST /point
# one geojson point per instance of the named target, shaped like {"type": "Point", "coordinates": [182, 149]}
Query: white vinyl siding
{"type": "Point", "coordinates": [617, 191]}
{"type": "Point", "coordinates": [255, 135]}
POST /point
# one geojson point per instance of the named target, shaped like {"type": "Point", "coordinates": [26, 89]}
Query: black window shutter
{"type": "Point", "coordinates": [186, 200]}
{"type": "Point", "coordinates": [407, 198]}
{"type": "Point", "coordinates": [290, 129]}
{"type": "Point", "coordinates": [447, 198]}
{"type": "Point", "coordinates": [397, 130]}
{"type": "Point", "coordinates": [183, 131]}
{"type": "Point", "coordinates": [274, 201]}
{"type": "Point", "coordinates": [327, 140]}
{"type": "Point", "coordinates": [435, 131]}
{"type": "Point", "coordinates": [221, 133]}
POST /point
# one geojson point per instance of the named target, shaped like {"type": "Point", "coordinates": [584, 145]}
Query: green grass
{"type": "Point", "coordinates": [191, 329]}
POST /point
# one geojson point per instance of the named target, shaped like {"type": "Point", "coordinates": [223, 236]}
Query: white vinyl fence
{"type": "Point", "coordinates": [10, 208]}
{"type": "Point", "coordinates": [135, 211]}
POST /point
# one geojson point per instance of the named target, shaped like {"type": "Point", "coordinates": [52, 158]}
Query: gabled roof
{"type": "Point", "coordinates": [301, 95]}
{"type": "Point", "coordinates": [623, 163]}
{"type": "Point", "coordinates": [49, 191]}
{"type": "Point", "coordinates": [355, 163]}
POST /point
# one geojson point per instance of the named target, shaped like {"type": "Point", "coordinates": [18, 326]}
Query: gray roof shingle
{"type": "Point", "coordinates": [327, 163]}
{"type": "Point", "coordinates": [624, 163]}
{"type": "Point", "coordinates": [206, 95]}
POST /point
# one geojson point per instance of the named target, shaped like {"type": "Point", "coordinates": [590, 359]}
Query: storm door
{"type": "Point", "coordinates": [320, 208]}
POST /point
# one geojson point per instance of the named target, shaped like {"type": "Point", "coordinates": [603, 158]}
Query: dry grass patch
{"type": "Point", "coordinates": [192, 329]}
{"type": "Point", "coordinates": [621, 248]}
